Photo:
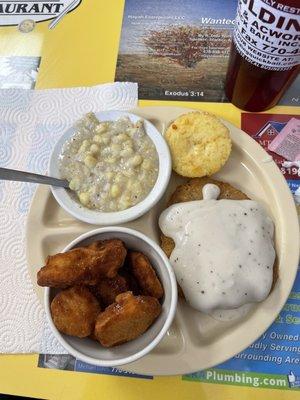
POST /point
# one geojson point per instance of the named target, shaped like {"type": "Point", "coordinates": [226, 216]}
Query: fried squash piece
{"type": "Point", "coordinates": [109, 288]}
{"type": "Point", "coordinates": [145, 275]}
{"type": "Point", "coordinates": [126, 319]}
{"type": "Point", "coordinates": [131, 281]}
{"type": "Point", "coordinates": [74, 311]}
{"type": "Point", "coordinates": [83, 265]}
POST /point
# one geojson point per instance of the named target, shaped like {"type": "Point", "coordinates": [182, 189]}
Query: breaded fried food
{"type": "Point", "coordinates": [126, 319]}
{"type": "Point", "coordinates": [145, 275]}
{"type": "Point", "coordinates": [83, 265]}
{"type": "Point", "coordinates": [109, 288]}
{"type": "Point", "coordinates": [200, 144]}
{"type": "Point", "coordinates": [74, 311]}
{"type": "Point", "coordinates": [99, 245]}
{"type": "Point", "coordinates": [126, 273]}
{"type": "Point", "coordinates": [192, 190]}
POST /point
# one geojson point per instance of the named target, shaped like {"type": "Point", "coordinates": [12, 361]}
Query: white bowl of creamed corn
{"type": "Point", "coordinates": [118, 167]}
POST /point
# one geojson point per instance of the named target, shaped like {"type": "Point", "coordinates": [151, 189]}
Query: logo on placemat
{"type": "Point", "coordinates": [26, 13]}
{"type": "Point", "coordinates": [294, 380]}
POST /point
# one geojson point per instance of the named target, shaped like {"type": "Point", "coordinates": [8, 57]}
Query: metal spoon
{"type": "Point", "coordinates": [22, 176]}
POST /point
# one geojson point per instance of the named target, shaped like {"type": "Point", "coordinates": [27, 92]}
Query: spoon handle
{"type": "Point", "coordinates": [22, 176]}
{"type": "Point", "coordinates": [57, 19]}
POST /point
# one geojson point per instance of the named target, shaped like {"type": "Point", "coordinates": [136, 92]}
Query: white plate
{"type": "Point", "coordinates": [195, 341]}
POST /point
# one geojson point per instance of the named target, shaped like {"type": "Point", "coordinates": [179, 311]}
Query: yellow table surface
{"type": "Point", "coordinates": [82, 51]}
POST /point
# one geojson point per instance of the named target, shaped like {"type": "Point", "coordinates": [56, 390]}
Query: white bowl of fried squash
{"type": "Point", "coordinates": [110, 296]}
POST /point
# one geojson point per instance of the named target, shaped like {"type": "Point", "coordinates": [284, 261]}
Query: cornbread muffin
{"type": "Point", "coordinates": [200, 144]}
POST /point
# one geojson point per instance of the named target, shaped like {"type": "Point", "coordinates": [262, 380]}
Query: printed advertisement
{"type": "Point", "coordinates": [67, 362]}
{"type": "Point", "coordinates": [179, 50]}
{"type": "Point", "coordinates": [265, 128]}
{"type": "Point", "coordinates": [276, 51]}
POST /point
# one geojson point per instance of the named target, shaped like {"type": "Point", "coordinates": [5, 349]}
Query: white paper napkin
{"type": "Point", "coordinates": [30, 123]}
